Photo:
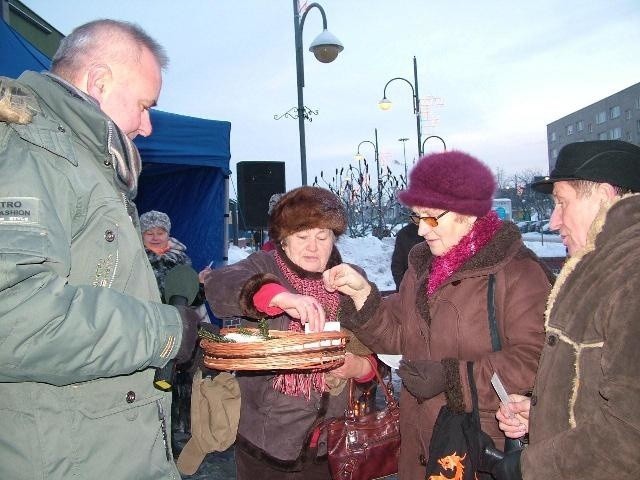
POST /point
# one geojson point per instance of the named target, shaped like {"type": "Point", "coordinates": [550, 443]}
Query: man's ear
{"type": "Point", "coordinates": [607, 192]}
{"type": "Point", "coordinates": [99, 78]}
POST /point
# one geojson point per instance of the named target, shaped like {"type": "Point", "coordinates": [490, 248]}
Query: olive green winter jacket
{"type": "Point", "coordinates": [81, 321]}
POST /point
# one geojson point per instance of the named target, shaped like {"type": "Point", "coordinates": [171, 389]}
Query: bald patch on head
{"type": "Point", "coordinates": [103, 42]}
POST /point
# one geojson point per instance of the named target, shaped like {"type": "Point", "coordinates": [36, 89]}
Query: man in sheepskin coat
{"type": "Point", "coordinates": [583, 418]}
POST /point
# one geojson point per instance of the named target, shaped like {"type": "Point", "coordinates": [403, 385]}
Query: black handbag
{"type": "Point", "coordinates": [365, 447]}
{"type": "Point", "coordinates": [458, 442]}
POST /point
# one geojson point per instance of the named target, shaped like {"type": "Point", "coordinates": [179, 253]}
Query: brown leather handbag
{"type": "Point", "coordinates": [365, 446]}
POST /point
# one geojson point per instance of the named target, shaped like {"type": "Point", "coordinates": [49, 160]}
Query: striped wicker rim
{"type": "Point", "coordinates": [289, 351]}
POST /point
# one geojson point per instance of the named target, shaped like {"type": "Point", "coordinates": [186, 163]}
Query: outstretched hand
{"type": "Point", "coordinates": [303, 307]}
{"type": "Point", "coordinates": [345, 279]}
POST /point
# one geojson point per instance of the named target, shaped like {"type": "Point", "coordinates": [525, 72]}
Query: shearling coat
{"type": "Point", "coordinates": [585, 409]}
{"type": "Point", "coordinates": [453, 324]}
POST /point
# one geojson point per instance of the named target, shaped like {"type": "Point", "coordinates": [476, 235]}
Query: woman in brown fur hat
{"type": "Point", "coordinates": [278, 436]}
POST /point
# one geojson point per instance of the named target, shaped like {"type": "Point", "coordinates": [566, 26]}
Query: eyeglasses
{"type": "Point", "coordinates": [431, 221]}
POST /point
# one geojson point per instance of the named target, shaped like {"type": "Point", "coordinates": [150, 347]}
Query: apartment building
{"type": "Point", "coordinates": [616, 117]}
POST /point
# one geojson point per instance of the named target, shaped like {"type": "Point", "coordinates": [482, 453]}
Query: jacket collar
{"type": "Point", "coordinates": [616, 217]}
{"type": "Point", "coordinates": [78, 115]}
{"type": "Point", "coordinates": [75, 114]}
{"type": "Point", "coordinates": [505, 243]}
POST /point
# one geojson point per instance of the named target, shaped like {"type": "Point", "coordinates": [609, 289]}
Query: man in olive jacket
{"type": "Point", "coordinates": [81, 323]}
{"type": "Point", "coordinates": [584, 415]}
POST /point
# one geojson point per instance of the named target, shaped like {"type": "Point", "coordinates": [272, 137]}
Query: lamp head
{"type": "Point", "coordinates": [359, 157]}
{"type": "Point", "coordinates": [326, 47]}
{"type": "Point", "coordinates": [385, 104]}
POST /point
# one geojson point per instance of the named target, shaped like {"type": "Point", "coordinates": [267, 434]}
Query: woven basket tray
{"type": "Point", "coordinates": [288, 351]}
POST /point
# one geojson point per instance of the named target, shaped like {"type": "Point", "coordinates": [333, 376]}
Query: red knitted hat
{"type": "Point", "coordinates": [307, 207]}
{"type": "Point", "coordinates": [450, 180]}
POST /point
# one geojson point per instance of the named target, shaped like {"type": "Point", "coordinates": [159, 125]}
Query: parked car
{"type": "Point", "coordinates": [546, 228]}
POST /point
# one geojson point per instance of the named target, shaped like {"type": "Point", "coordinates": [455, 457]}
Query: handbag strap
{"type": "Point", "coordinates": [491, 309]}
{"type": "Point", "coordinates": [387, 394]}
{"type": "Point", "coordinates": [474, 393]}
{"type": "Point", "coordinates": [495, 344]}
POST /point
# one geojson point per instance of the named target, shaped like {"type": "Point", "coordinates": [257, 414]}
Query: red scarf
{"type": "Point", "coordinates": [481, 233]}
{"type": "Point", "coordinates": [301, 384]}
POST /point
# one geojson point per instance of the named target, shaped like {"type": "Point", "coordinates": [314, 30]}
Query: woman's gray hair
{"type": "Point", "coordinates": [101, 40]}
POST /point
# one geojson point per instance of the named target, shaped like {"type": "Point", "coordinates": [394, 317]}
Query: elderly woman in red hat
{"type": "Point", "coordinates": [470, 264]}
{"type": "Point", "coordinates": [278, 436]}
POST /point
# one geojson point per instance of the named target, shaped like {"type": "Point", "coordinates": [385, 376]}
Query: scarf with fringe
{"type": "Point", "coordinates": [301, 384]}
{"type": "Point", "coordinates": [481, 233]}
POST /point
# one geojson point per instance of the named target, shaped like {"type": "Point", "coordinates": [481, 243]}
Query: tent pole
{"type": "Point", "coordinates": [225, 227]}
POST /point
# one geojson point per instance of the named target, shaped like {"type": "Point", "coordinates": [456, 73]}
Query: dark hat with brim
{"type": "Point", "coordinates": [601, 161]}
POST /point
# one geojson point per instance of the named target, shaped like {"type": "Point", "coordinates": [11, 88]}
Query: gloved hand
{"type": "Point", "coordinates": [423, 378]}
{"type": "Point", "coordinates": [488, 455]}
{"type": "Point", "coordinates": [198, 361]}
{"type": "Point", "coordinates": [509, 467]}
{"type": "Point", "coordinates": [190, 321]}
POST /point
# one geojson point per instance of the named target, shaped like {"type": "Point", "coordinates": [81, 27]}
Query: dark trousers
{"type": "Point", "coordinates": [249, 468]}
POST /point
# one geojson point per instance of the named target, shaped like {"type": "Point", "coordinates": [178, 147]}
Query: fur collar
{"type": "Point", "coordinates": [606, 213]}
{"type": "Point", "coordinates": [504, 245]}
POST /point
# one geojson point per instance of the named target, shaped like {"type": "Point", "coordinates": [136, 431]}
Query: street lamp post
{"type": "Point", "coordinates": [404, 154]}
{"type": "Point", "coordinates": [359, 157]}
{"type": "Point", "coordinates": [434, 136]}
{"type": "Point", "coordinates": [326, 48]}
{"type": "Point", "coordinates": [385, 103]}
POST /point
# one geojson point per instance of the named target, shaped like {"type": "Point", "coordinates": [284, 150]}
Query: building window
{"type": "Point", "coordinates": [554, 137]}
{"type": "Point", "coordinates": [629, 137]}
{"type": "Point", "coordinates": [554, 153]}
{"type": "Point", "coordinates": [627, 114]}
{"type": "Point", "coordinates": [638, 124]}
{"type": "Point", "coordinates": [580, 126]}
{"type": "Point", "coordinates": [601, 117]}
{"type": "Point", "coordinates": [614, 112]}
{"type": "Point", "coordinates": [637, 103]}
{"type": "Point", "coordinates": [590, 128]}
{"type": "Point", "coordinates": [615, 133]}
{"type": "Point", "coordinates": [602, 136]}
{"type": "Point", "coordinates": [569, 129]}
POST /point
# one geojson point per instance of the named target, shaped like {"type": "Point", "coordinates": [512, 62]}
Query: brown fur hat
{"type": "Point", "coordinates": [307, 207]}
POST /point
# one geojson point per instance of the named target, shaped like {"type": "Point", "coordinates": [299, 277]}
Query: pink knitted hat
{"type": "Point", "coordinates": [450, 180]}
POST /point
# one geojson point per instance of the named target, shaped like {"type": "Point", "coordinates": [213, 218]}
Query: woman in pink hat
{"type": "Point", "coordinates": [471, 268]}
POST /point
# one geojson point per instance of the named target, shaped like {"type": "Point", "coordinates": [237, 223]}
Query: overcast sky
{"type": "Point", "coordinates": [503, 70]}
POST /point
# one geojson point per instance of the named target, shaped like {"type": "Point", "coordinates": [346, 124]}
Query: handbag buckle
{"type": "Point", "coordinates": [352, 437]}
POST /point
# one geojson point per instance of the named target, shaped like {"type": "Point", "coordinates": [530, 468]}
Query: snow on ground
{"type": "Point", "coordinates": [374, 255]}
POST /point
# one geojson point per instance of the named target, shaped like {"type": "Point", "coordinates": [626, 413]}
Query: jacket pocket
{"type": "Point", "coordinates": [120, 430]}
{"type": "Point", "coordinates": [23, 250]}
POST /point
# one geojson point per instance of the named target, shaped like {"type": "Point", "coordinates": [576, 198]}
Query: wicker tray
{"type": "Point", "coordinates": [288, 351]}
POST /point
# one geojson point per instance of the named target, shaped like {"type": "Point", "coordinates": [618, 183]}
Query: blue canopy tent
{"type": "Point", "coordinates": [185, 172]}
{"type": "Point", "coordinates": [185, 164]}
{"type": "Point", "coordinates": [17, 54]}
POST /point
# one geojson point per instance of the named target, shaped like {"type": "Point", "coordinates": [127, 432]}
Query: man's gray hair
{"type": "Point", "coordinates": [99, 40]}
